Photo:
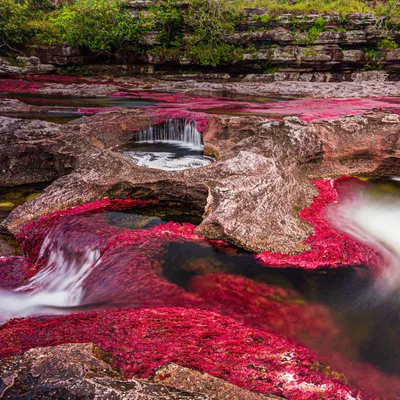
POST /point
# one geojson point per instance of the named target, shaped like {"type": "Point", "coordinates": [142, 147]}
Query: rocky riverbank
{"type": "Point", "coordinates": [279, 164]}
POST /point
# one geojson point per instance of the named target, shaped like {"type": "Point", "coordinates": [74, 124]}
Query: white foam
{"type": "Point", "coordinates": [168, 161]}
{"type": "Point", "coordinates": [58, 284]}
{"type": "Point", "coordinates": [374, 221]}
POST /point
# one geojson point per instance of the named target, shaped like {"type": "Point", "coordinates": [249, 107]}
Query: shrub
{"type": "Point", "coordinates": [13, 23]}
{"type": "Point", "coordinates": [211, 21]}
{"type": "Point", "coordinates": [101, 26]}
{"type": "Point", "coordinates": [167, 19]}
{"type": "Point", "coordinates": [387, 44]}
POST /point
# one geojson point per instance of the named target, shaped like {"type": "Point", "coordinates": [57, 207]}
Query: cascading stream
{"type": "Point", "coordinates": [176, 130]}
{"type": "Point", "coordinates": [174, 145]}
{"type": "Point", "coordinates": [373, 217]}
{"type": "Point", "coordinates": [58, 285]}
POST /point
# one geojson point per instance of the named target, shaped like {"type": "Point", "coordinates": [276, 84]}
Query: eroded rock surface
{"type": "Point", "coordinates": [260, 162]}
{"type": "Point", "coordinates": [74, 371]}
{"type": "Point", "coordinates": [289, 88]}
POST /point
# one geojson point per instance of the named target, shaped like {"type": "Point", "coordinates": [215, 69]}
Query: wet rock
{"type": "Point", "coordinates": [260, 162]}
{"type": "Point", "coordinates": [16, 106]}
{"type": "Point", "coordinates": [372, 86]}
{"type": "Point", "coordinates": [74, 371]}
{"type": "Point", "coordinates": [216, 389]}
{"type": "Point", "coordinates": [140, 341]}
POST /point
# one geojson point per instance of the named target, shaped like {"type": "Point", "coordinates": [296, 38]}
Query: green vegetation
{"type": "Point", "coordinates": [14, 19]}
{"type": "Point", "coordinates": [197, 31]}
{"type": "Point", "coordinates": [167, 20]}
{"type": "Point", "coordinates": [387, 44]}
{"type": "Point", "coordinates": [304, 6]}
{"type": "Point", "coordinates": [211, 20]}
{"type": "Point", "coordinates": [98, 25]}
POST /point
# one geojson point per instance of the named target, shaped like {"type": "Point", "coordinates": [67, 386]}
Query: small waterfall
{"type": "Point", "coordinates": [59, 284]}
{"type": "Point", "coordinates": [175, 130]}
{"type": "Point", "coordinates": [374, 218]}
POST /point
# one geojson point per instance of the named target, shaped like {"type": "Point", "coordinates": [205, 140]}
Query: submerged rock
{"type": "Point", "coordinates": [145, 339]}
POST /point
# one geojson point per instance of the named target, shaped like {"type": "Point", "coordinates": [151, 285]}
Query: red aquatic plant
{"type": "Point", "coordinates": [329, 247]}
{"type": "Point", "coordinates": [176, 325]}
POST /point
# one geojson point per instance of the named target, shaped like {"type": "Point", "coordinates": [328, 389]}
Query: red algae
{"type": "Point", "coordinates": [18, 86]}
{"type": "Point", "coordinates": [330, 248]}
{"type": "Point", "coordinates": [141, 340]}
{"type": "Point", "coordinates": [305, 109]}
{"type": "Point", "coordinates": [238, 341]}
{"type": "Point", "coordinates": [12, 272]}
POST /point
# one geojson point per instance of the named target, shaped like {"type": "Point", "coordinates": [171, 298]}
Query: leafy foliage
{"type": "Point", "coordinates": [100, 26]}
{"type": "Point", "coordinates": [14, 18]}
{"type": "Point", "coordinates": [387, 44]}
{"type": "Point", "coordinates": [304, 6]}
{"type": "Point", "coordinates": [167, 19]}
{"type": "Point", "coordinates": [211, 21]}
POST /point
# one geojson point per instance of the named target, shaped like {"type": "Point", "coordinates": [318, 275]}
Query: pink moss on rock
{"type": "Point", "coordinates": [175, 325]}
{"type": "Point", "coordinates": [18, 86]}
{"type": "Point", "coordinates": [141, 340]}
{"type": "Point", "coordinates": [330, 248]}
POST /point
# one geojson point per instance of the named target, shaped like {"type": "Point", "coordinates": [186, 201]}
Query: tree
{"type": "Point", "coordinates": [13, 23]}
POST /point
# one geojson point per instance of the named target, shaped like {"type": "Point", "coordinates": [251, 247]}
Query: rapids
{"type": "Point", "coordinates": [372, 216]}
{"type": "Point", "coordinates": [132, 254]}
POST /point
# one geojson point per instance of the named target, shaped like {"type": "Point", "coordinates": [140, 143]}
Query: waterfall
{"type": "Point", "coordinates": [59, 284]}
{"type": "Point", "coordinates": [175, 130]}
{"type": "Point", "coordinates": [374, 218]}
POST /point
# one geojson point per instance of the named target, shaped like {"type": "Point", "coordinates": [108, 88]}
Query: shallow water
{"type": "Point", "coordinates": [13, 196]}
{"type": "Point", "coordinates": [63, 109]}
{"type": "Point", "coordinates": [350, 314]}
{"type": "Point", "coordinates": [57, 101]}
{"type": "Point", "coordinates": [345, 304]}
{"type": "Point", "coordinates": [174, 145]}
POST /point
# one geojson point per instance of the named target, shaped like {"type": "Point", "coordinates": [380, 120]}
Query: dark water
{"type": "Point", "coordinates": [13, 196]}
{"type": "Point", "coordinates": [10, 198]}
{"type": "Point", "coordinates": [161, 213]}
{"type": "Point", "coordinates": [63, 109]}
{"type": "Point", "coordinates": [371, 322]}
{"type": "Point", "coordinates": [47, 100]}
{"type": "Point", "coordinates": [368, 320]}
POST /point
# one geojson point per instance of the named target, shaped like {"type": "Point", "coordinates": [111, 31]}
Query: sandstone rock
{"type": "Point", "coordinates": [369, 76]}
{"type": "Point", "coordinates": [7, 69]}
{"type": "Point", "coordinates": [391, 119]}
{"type": "Point", "coordinates": [353, 56]}
{"type": "Point", "coordinates": [260, 163]}
{"type": "Point", "coordinates": [366, 83]}
{"type": "Point", "coordinates": [74, 371]}
{"type": "Point", "coordinates": [216, 389]}
{"type": "Point", "coordinates": [357, 37]}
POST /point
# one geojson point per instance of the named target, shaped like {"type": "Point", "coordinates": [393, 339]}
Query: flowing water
{"type": "Point", "coordinates": [346, 311]}
{"type": "Point", "coordinates": [349, 316]}
{"type": "Point", "coordinates": [174, 145]}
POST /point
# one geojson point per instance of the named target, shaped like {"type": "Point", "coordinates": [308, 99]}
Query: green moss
{"type": "Point", "coordinates": [305, 6]}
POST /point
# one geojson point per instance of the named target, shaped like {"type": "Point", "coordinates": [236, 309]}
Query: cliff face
{"type": "Point", "coordinates": [312, 47]}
